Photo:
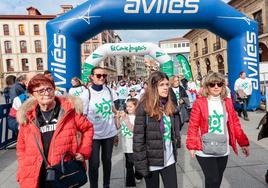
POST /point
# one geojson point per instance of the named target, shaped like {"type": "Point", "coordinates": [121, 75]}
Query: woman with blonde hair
{"type": "Point", "coordinates": [212, 127]}
{"type": "Point", "coordinates": [154, 139]}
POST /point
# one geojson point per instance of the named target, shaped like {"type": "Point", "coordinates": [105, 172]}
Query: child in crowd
{"type": "Point", "coordinates": [126, 122]}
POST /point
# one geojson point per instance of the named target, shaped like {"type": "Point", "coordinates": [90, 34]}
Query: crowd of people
{"type": "Point", "coordinates": [149, 115]}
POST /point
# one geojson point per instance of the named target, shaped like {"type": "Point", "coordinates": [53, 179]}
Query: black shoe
{"type": "Point", "coordinates": [246, 118]}
{"type": "Point", "coordinates": [239, 114]}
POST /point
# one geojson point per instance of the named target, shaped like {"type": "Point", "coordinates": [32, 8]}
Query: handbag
{"type": "Point", "coordinates": [66, 174]}
{"type": "Point", "coordinates": [215, 144]}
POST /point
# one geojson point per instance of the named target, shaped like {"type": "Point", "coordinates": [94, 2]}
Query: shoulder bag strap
{"type": "Point", "coordinates": [40, 150]}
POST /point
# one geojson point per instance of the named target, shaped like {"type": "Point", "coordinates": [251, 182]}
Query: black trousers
{"type": "Point", "coordinates": [213, 168]}
{"type": "Point", "coordinates": [106, 146]}
{"type": "Point", "coordinates": [168, 174]}
{"type": "Point", "coordinates": [131, 174]}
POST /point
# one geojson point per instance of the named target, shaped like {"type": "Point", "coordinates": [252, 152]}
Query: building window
{"type": "Point", "coordinates": [21, 29]}
{"type": "Point", "coordinates": [187, 44]}
{"type": "Point", "coordinates": [6, 29]}
{"type": "Point", "coordinates": [8, 48]}
{"type": "Point", "coordinates": [258, 18]}
{"type": "Point", "coordinates": [36, 29]}
{"type": "Point", "coordinates": [86, 48]}
{"type": "Point", "coordinates": [23, 46]}
{"type": "Point", "coordinates": [183, 45]}
{"type": "Point", "coordinates": [39, 64]}
{"type": "Point", "coordinates": [208, 65]}
{"type": "Point", "coordinates": [95, 46]}
{"type": "Point", "coordinates": [205, 49]}
{"type": "Point", "coordinates": [38, 47]}
{"type": "Point", "coordinates": [198, 69]}
{"type": "Point", "coordinates": [10, 65]}
{"type": "Point", "coordinates": [217, 44]}
{"type": "Point", "coordinates": [220, 64]}
{"type": "Point", "coordinates": [175, 45]}
{"type": "Point", "coordinates": [25, 66]}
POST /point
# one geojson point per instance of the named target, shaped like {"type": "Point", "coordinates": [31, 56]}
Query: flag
{"type": "Point", "coordinates": [185, 67]}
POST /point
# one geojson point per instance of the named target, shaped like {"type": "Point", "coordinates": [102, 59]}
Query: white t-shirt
{"type": "Point", "coordinates": [243, 84]}
{"type": "Point", "coordinates": [168, 150]}
{"type": "Point", "coordinates": [122, 92]}
{"type": "Point", "coordinates": [82, 93]}
{"type": "Point", "coordinates": [100, 113]}
{"type": "Point", "coordinates": [137, 88]}
{"type": "Point", "coordinates": [216, 123]}
{"type": "Point", "coordinates": [127, 135]}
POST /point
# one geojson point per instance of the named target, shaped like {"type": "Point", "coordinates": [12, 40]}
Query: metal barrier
{"type": "Point", "coordinates": [7, 136]}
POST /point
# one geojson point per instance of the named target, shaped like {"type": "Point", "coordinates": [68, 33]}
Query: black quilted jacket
{"type": "Point", "coordinates": [148, 144]}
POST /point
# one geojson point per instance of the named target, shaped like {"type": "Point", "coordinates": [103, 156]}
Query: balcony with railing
{"type": "Point", "coordinates": [195, 54]}
{"type": "Point", "coordinates": [216, 46]}
{"type": "Point", "coordinates": [204, 51]}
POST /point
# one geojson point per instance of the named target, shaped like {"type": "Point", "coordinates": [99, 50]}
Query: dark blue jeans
{"type": "Point", "coordinates": [106, 146]}
{"type": "Point", "coordinates": [243, 108]}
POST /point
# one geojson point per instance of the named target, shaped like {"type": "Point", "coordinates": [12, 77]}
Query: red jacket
{"type": "Point", "coordinates": [198, 125]}
{"type": "Point", "coordinates": [65, 138]}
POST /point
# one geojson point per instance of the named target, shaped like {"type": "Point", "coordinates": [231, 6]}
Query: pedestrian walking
{"type": "Point", "coordinates": [53, 123]}
{"type": "Point", "coordinates": [243, 89]}
{"type": "Point", "coordinates": [126, 123]}
{"type": "Point", "coordinates": [80, 90]}
{"type": "Point", "coordinates": [19, 87]}
{"type": "Point", "coordinates": [182, 99]}
{"type": "Point", "coordinates": [154, 139]}
{"type": "Point", "coordinates": [212, 127]}
{"type": "Point", "coordinates": [101, 113]}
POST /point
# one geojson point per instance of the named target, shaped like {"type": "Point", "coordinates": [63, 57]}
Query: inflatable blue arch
{"type": "Point", "coordinates": [67, 32]}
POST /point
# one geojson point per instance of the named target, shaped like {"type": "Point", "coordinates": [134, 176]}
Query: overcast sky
{"type": "Point", "coordinates": [15, 7]}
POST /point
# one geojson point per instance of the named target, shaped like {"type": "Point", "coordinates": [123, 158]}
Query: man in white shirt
{"type": "Point", "coordinates": [100, 113]}
{"type": "Point", "coordinates": [243, 89]}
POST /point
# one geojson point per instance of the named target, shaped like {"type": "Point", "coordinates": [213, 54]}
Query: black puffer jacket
{"type": "Point", "coordinates": [148, 143]}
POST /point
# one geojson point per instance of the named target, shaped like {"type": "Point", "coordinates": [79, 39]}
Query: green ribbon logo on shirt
{"type": "Point", "coordinates": [214, 122]}
{"type": "Point", "coordinates": [245, 85]}
{"type": "Point", "coordinates": [104, 108]}
{"type": "Point", "coordinates": [177, 95]}
{"type": "Point", "coordinates": [125, 131]}
{"type": "Point", "coordinates": [122, 91]}
{"type": "Point", "coordinates": [167, 125]}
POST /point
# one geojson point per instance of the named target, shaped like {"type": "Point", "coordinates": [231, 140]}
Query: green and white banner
{"type": "Point", "coordinates": [185, 67]}
{"type": "Point", "coordinates": [119, 49]}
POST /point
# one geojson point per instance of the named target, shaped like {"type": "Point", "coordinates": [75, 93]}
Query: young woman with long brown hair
{"type": "Point", "coordinates": [154, 139]}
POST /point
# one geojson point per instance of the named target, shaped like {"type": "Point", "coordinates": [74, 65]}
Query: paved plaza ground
{"type": "Point", "coordinates": [241, 172]}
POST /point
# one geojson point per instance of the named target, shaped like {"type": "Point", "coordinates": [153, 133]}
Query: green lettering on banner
{"type": "Point", "coordinates": [86, 72]}
{"type": "Point", "coordinates": [159, 54]}
{"type": "Point", "coordinates": [129, 48]}
{"type": "Point", "coordinates": [167, 68]}
{"type": "Point", "coordinates": [95, 56]}
{"type": "Point", "coordinates": [185, 67]}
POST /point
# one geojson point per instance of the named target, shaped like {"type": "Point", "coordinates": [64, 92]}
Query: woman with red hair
{"type": "Point", "coordinates": [55, 122]}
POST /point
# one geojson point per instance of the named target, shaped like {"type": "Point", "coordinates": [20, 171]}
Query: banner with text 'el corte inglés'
{"type": "Point", "coordinates": [128, 49]}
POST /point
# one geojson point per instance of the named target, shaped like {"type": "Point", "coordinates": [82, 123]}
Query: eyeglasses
{"type": "Point", "coordinates": [42, 92]}
{"type": "Point", "coordinates": [219, 84]}
{"type": "Point", "coordinates": [101, 75]}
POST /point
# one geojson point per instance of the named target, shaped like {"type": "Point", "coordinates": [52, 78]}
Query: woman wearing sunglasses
{"type": "Point", "coordinates": [212, 127]}
{"type": "Point", "coordinates": [53, 123]}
